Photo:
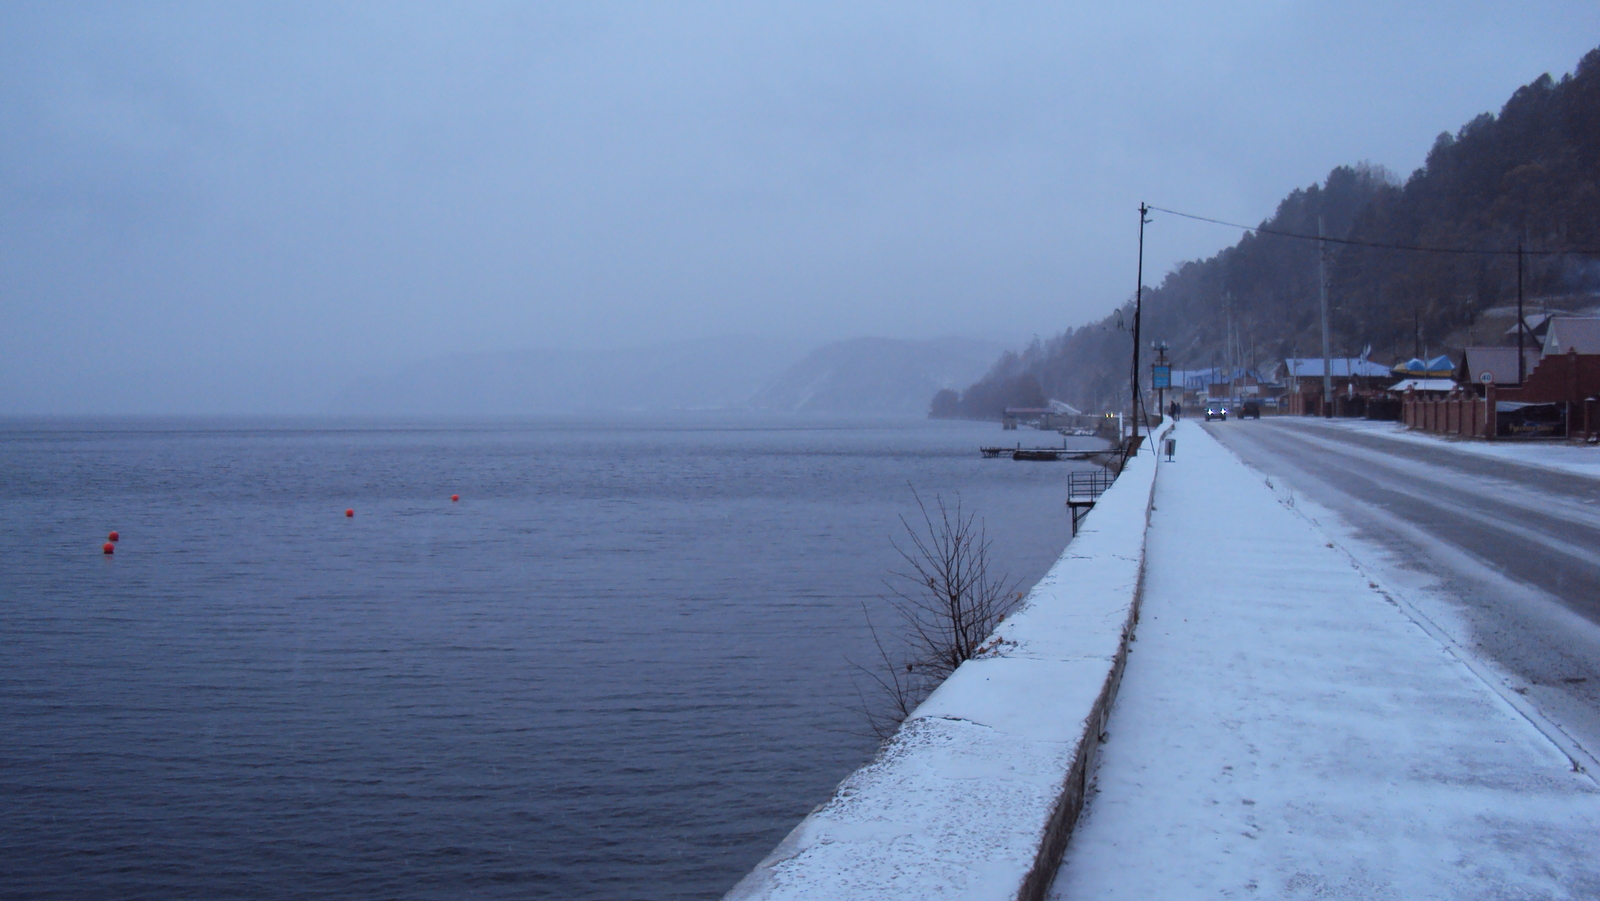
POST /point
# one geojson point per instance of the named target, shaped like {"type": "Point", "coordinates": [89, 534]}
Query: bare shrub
{"type": "Point", "coordinates": [947, 603]}
{"type": "Point", "coordinates": [897, 687]}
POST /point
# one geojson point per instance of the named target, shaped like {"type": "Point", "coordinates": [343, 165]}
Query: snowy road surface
{"type": "Point", "coordinates": [1504, 557]}
{"type": "Point", "coordinates": [1287, 729]}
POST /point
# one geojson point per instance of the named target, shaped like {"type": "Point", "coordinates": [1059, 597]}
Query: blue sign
{"type": "Point", "coordinates": [1162, 376]}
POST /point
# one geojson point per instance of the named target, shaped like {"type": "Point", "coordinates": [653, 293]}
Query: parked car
{"type": "Point", "coordinates": [1250, 410]}
{"type": "Point", "coordinates": [1216, 410]}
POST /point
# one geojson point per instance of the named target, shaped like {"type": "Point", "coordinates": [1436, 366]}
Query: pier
{"type": "Point", "coordinates": [1050, 454]}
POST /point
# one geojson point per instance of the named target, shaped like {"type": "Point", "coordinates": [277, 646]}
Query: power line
{"type": "Point", "coordinates": [1380, 245]}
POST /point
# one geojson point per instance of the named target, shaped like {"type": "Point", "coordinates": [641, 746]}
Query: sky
{"type": "Point", "coordinates": [283, 197]}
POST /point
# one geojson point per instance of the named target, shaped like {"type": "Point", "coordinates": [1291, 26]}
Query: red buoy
{"type": "Point", "coordinates": [349, 513]}
{"type": "Point", "coordinates": [109, 548]}
{"type": "Point", "coordinates": [454, 498]}
{"type": "Point", "coordinates": [114, 537]}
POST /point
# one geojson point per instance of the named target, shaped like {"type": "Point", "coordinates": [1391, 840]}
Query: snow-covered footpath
{"type": "Point", "coordinates": [976, 795]}
{"type": "Point", "coordinates": [1288, 728]}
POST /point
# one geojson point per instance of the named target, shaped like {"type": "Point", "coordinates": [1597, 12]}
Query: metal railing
{"type": "Point", "coordinates": [1083, 489]}
{"type": "Point", "coordinates": [1088, 485]}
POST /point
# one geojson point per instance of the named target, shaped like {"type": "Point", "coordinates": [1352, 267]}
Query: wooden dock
{"type": "Point", "coordinates": [1047, 454]}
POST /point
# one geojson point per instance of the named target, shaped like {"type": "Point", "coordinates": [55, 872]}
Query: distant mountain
{"type": "Point", "coordinates": [881, 376]}
{"type": "Point", "coordinates": [717, 373]}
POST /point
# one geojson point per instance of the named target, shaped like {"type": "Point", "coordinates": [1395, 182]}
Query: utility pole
{"type": "Point", "coordinates": [1522, 323]}
{"type": "Point", "coordinates": [1294, 372]}
{"type": "Point", "coordinates": [1138, 304]}
{"type": "Point", "coordinates": [1322, 291]}
{"type": "Point", "coordinates": [1227, 338]}
{"type": "Point", "coordinates": [1162, 383]}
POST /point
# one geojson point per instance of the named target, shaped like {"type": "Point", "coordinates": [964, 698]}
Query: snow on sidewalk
{"type": "Point", "coordinates": [1283, 730]}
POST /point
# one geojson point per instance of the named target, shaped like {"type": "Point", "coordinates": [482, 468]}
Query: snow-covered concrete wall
{"type": "Point", "coordinates": [977, 793]}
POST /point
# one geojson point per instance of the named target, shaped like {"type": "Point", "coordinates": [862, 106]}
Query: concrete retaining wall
{"type": "Point", "coordinates": [977, 793]}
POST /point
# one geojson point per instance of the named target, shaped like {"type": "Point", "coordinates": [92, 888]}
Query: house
{"type": "Point", "coordinates": [1351, 377]}
{"type": "Point", "coordinates": [1482, 366]}
{"type": "Point", "coordinates": [1558, 396]}
{"type": "Point", "coordinates": [1350, 374]}
{"type": "Point", "coordinates": [1569, 333]}
{"type": "Point", "coordinates": [1199, 384]}
{"type": "Point", "coordinates": [1538, 325]}
{"type": "Point", "coordinates": [1567, 379]}
{"type": "Point", "coordinates": [1058, 415]}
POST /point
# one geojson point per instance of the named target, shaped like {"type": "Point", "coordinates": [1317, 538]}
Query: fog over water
{"type": "Point", "coordinates": [251, 207]}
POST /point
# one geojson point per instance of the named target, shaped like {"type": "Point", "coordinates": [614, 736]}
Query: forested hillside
{"type": "Point", "coordinates": [1531, 173]}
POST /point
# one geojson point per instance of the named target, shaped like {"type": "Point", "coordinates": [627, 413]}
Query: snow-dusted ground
{"type": "Point", "coordinates": [1287, 728]}
{"type": "Point", "coordinates": [1581, 459]}
{"type": "Point", "coordinates": [961, 801]}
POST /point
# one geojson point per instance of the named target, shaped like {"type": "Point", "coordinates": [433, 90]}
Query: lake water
{"type": "Point", "coordinates": [617, 668]}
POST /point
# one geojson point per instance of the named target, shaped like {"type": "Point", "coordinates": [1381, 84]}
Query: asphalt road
{"type": "Point", "coordinates": [1510, 553]}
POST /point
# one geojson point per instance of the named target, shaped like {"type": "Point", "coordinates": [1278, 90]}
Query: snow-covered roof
{"type": "Point", "coordinates": [1499, 362]}
{"type": "Point", "coordinates": [1198, 379]}
{"type": "Point", "coordinates": [1423, 385]}
{"type": "Point", "coordinates": [1536, 323]}
{"type": "Point", "coordinates": [1343, 367]}
{"type": "Point", "coordinates": [1569, 332]}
